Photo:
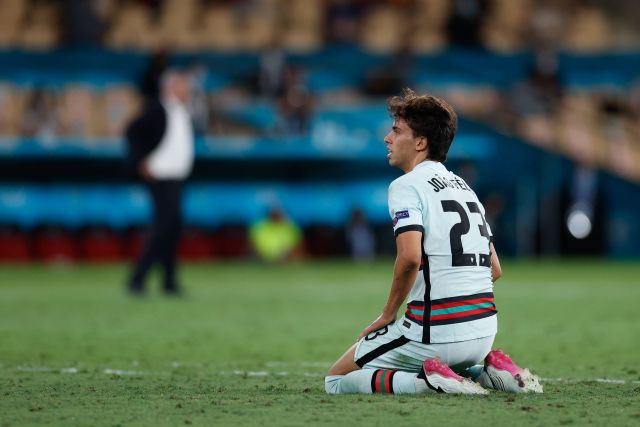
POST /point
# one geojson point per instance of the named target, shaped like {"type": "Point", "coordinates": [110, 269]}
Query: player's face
{"type": "Point", "coordinates": [401, 145]}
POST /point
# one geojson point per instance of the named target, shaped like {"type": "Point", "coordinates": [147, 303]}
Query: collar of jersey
{"type": "Point", "coordinates": [429, 163]}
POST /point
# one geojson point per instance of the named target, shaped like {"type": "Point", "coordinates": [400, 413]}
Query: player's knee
{"type": "Point", "coordinates": [332, 384]}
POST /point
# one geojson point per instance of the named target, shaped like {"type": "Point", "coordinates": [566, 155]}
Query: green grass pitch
{"type": "Point", "coordinates": [250, 343]}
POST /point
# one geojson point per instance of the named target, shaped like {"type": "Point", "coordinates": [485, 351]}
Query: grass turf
{"type": "Point", "coordinates": [250, 343]}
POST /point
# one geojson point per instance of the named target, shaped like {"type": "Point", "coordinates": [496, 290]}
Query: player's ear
{"type": "Point", "coordinates": [421, 143]}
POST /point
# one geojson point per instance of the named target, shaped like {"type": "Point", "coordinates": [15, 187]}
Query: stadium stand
{"type": "Point", "coordinates": [554, 80]}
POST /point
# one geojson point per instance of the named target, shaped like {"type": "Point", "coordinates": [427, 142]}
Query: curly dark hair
{"type": "Point", "coordinates": [427, 116]}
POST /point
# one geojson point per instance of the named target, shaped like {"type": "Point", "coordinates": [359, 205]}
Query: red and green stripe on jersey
{"type": "Point", "coordinates": [382, 381]}
{"type": "Point", "coordinates": [446, 311]}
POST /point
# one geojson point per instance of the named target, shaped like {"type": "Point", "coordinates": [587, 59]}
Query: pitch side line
{"type": "Point", "coordinates": [127, 372]}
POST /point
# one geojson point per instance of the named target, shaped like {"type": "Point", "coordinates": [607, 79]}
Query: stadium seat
{"type": "Point", "coordinates": [232, 241]}
{"type": "Point", "coordinates": [324, 241]}
{"type": "Point", "coordinates": [197, 245]}
{"type": "Point", "coordinates": [78, 112]}
{"type": "Point", "coordinates": [133, 240]}
{"type": "Point", "coordinates": [55, 244]}
{"type": "Point", "coordinates": [41, 29]}
{"type": "Point", "coordinates": [507, 26]}
{"type": "Point", "coordinates": [118, 104]}
{"type": "Point", "coordinates": [21, 206]}
{"type": "Point", "coordinates": [382, 29]}
{"type": "Point", "coordinates": [429, 24]}
{"type": "Point", "coordinates": [219, 31]}
{"type": "Point", "coordinates": [14, 245]}
{"type": "Point", "coordinates": [589, 31]}
{"type": "Point", "coordinates": [302, 29]}
{"type": "Point", "coordinates": [100, 244]}
{"type": "Point", "coordinates": [12, 13]}
{"type": "Point", "coordinates": [132, 28]}
{"type": "Point", "coordinates": [11, 110]}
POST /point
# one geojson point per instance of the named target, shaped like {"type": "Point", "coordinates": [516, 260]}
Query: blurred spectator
{"type": "Point", "coordinates": [536, 98]}
{"type": "Point", "coordinates": [548, 24]}
{"type": "Point", "coordinates": [81, 22]}
{"type": "Point", "coordinates": [39, 119]}
{"type": "Point", "coordinates": [541, 90]}
{"type": "Point", "coordinates": [272, 70]}
{"type": "Point", "coordinates": [155, 6]}
{"type": "Point", "coordinates": [343, 21]}
{"type": "Point", "coordinates": [465, 22]}
{"type": "Point", "coordinates": [161, 148]}
{"type": "Point", "coordinates": [392, 78]}
{"type": "Point", "coordinates": [276, 238]}
{"type": "Point", "coordinates": [296, 102]}
{"type": "Point", "coordinates": [360, 237]}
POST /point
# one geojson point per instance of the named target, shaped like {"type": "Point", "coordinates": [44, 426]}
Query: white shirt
{"type": "Point", "coordinates": [452, 297]}
{"type": "Point", "coordinates": [173, 157]}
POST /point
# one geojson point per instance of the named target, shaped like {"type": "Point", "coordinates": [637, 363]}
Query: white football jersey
{"type": "Point", "coordinates": [452, 297]}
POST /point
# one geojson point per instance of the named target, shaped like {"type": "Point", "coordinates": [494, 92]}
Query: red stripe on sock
{"type": "Point", "coordinates": [387, 382]}
{"type": "Point", "coordinates": [377, 381]}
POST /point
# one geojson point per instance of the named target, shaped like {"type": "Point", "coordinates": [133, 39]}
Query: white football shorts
{"type": "Point", "coordinates": [387, 348]}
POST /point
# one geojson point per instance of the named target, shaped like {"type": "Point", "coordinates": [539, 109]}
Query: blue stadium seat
{"type": "Point", "coordinates": [261, 115]}
{"type": "Point", "coordinates": [205, 205]}
{"type": "Point", "coordinates": [19, 206]}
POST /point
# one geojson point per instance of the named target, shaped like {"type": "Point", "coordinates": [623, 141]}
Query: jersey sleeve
{"type": "Point", "coordinates": [405, 208]}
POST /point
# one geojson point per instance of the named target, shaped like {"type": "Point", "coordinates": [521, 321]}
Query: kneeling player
{"type": "Point", "coordinates": [446, 265]}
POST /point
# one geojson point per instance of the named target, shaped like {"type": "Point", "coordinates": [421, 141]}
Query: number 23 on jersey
{"type": "Point", "coordinates": [459, 258]}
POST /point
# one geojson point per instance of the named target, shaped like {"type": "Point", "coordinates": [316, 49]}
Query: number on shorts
{"type": "Point", "coordinates": [376, 334]}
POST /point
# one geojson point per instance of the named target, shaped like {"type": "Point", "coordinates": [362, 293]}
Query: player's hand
{"type": "Point", "coordinates": [382, 321]}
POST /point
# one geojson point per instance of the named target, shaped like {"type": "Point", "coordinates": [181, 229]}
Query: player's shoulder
{"type": "Point", "coordinates": [400, 181]}
{"type": "Point", "coordinates": [406, 181]}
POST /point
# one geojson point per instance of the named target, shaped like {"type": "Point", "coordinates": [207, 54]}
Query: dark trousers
{"type": "Point", "coordinates": [162, 243]}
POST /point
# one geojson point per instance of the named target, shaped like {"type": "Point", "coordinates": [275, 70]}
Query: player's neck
{"type": "Point", "coordinates": [412, 165]}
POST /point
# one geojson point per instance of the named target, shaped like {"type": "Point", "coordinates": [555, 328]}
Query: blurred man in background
{"type": "Point", "coordinates": [360, 237]}
{"type": "Point", "coordinates": [445, 267]}
{"type": "Point", "coordinates": [276, 238]}
{"type": "Point", "coordinates": [161, 150]}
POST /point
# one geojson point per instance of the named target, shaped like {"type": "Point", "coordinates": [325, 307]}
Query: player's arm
{"type": "Point", "coordinates": [496, 270]}
{"type": "Point", "coordinates": [409, 255]}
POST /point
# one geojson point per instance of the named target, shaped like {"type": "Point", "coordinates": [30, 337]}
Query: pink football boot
{"type": "Point", "coordinates": [501, 373]}
{"type": "Point", "coordinates": [441, 379]}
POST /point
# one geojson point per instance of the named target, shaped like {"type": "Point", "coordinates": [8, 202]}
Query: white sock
{"type": "Point", "coordinates": [368, 381]}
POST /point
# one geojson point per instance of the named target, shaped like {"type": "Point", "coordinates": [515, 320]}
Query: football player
{"type": "Point", "coordinates": [445, 268]}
